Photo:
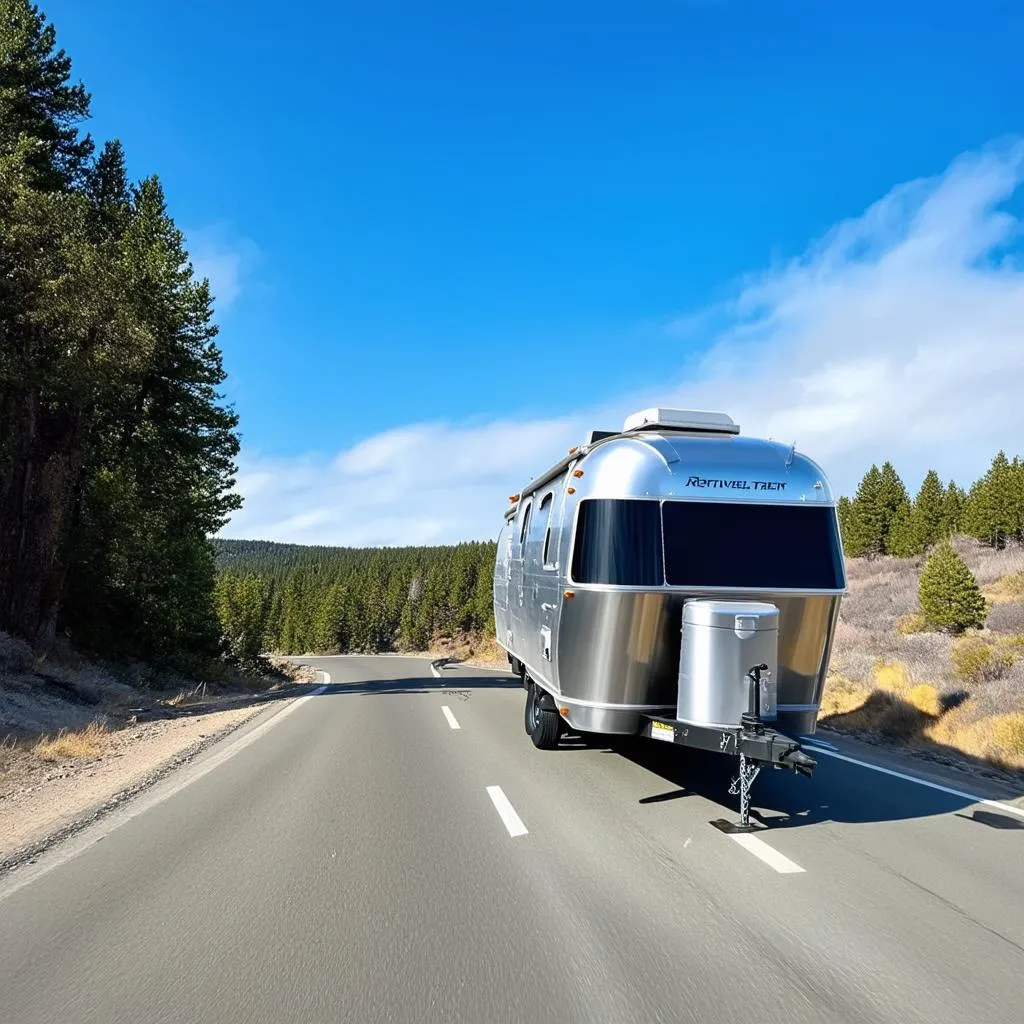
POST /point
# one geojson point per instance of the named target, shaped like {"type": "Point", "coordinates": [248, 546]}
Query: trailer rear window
{"type": "Point", "coordinates": [719, 544]}
{"type": "Point", "coordinates": [618, 541]}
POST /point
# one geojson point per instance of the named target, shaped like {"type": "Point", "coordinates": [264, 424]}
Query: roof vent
{"type": "Point", "coordinates": [681, 419]}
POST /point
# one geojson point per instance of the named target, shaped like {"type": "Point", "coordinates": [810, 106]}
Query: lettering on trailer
{"type": "Point", "coordinates": [737, 485]}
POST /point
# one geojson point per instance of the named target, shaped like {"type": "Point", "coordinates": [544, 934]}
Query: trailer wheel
{"type": "Point", "coordinates": [544, 724]}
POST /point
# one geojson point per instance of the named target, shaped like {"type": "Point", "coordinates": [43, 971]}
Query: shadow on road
{"type": "Point", "coordinates": [442, 685]}
{"type": "Point", "coordinates": [839, 791]}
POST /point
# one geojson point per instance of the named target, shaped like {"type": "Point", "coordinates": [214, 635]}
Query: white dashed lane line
{"type": "Point", "coordinates": [760, 849]}
{"type": "Point", "coordinates": [451, 718]}
{"type": "Point", "coordinates": [506, 812]}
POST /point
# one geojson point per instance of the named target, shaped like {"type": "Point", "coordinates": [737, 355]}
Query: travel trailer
{"type": "Point", "coordinates": [674, 580]}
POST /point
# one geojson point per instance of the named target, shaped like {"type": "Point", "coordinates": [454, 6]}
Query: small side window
{"type": "Point", "coordinates": [524, 524]}
{"type": "Point", "coordinates": [548, 503]}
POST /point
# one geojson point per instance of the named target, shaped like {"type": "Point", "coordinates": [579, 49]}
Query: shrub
{"type": "Point", "coordinates": [892, 676]}
{"type": "Point", "coordinates": [15, 655]}
{"type": "Point", "coordinates": [915, 622]}
{"type": "Point", "coordinates": [926, 698]}
{"type": "Point", "coordinates": [1008, 733]}
{"type": "Point", "coordinates": [948, 593]}
{"type": "Point", "coordinates": [975, 660]}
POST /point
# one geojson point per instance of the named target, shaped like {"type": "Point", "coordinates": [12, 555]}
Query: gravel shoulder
{"type": "Point", "coordinates": [42, 802]}
{"type": "Point", "coordinates": [77, 740]}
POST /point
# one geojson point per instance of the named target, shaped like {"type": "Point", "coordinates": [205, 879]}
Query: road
{"type": "Point", "coordinates": [353, 856]}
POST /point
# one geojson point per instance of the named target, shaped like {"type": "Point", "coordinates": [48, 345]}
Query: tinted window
{"type": "Point", "coordinates": [618, 541]}
{"type": "Point", "coordinates": [714, 544]}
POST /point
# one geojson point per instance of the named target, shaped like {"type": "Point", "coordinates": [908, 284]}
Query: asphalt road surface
{"type": "Point", "coordinates": [395, 849]}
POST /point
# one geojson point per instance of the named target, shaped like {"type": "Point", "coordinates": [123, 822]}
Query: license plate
{"type": "Point", "coordinates": [661, 731]}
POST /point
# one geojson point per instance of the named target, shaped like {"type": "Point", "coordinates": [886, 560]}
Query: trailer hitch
{"type": "Point", "coordinates": [798, 761]}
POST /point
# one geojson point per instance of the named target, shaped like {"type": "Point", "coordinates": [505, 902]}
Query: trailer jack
{"type": "Point", "coordinates": [749, 770]}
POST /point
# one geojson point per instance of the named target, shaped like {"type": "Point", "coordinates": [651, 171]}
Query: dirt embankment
{"type": "Point", "coordinates": [77, 739]}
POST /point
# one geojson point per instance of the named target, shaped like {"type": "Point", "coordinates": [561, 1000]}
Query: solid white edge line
{"type": "Point", "coordinates": [451, 718]}
{"type": "Point", "coordinates": [973, 797]}
{"type": "Point", "coordinates": [506, 812]}
{"type": "Point", "coordinates": [434, 672]}
{"type": "Point", "coordinates": [326, 675]}
{"type": "Point", "coordinates": [760, 849]}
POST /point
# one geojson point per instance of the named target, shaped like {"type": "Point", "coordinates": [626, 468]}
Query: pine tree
{"type": "Point", "coordinates": [894, 500]}
{"type": "Point", "coordinates": [38, 101]}
{"type": "Point", "coordinates": [904, 539]}
{"type": "Point", "coordinates": [948, 593]}
{"type": "Point", "coordinates": [1015, 486]}
{"type": "Point", "coordinates": [868, 517]}
{"type": "Point", "coordinates": [929, 512]}
{"type": "Point", "coordinates": [953, 504]}
{"type": "Point", "coordinates": [991, 511]}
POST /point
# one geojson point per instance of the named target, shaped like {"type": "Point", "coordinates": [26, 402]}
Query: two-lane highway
{"type": "Point", "coordinates": [395, 849]}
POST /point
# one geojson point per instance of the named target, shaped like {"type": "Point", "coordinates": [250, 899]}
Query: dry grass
{"type": "Point", "coordinates": [69, 746]}
{"type": "Point", "coordinates": [980, 659]}
{"type": "Point", "coordinates": [987, 564]}
{"type": "Point", "coordinates": [1007, 589]}
{"type": "Point", "coordinates": [892, 677]}
{"type": "Point", "coordinates": [997, 738]}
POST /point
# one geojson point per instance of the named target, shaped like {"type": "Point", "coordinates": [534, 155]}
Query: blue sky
{"type": "Point", "coordinates": [458, 221]}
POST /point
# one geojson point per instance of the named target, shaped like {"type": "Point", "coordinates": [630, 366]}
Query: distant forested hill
{"type": "Point", "coordinates": [292, 598]}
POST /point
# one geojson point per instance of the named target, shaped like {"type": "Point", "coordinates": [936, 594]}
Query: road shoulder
{"type": "Point", "coordinates": [43, 803]}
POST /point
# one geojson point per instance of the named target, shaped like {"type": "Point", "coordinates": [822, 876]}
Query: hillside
{"type": "Point", "coordinates": [293, 599]}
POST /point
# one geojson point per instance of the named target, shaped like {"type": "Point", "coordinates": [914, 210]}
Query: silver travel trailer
{"type": "Point", "coordinates": [674, 580]}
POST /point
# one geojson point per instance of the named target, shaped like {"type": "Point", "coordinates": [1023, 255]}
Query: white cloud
{"type": "Point", "coordinates": [900, 335]}
{"type": "Point", "coordinates": [224, 258]}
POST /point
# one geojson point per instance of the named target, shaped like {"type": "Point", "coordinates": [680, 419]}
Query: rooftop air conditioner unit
{"type": "Point", "coordinates": [681, 419]}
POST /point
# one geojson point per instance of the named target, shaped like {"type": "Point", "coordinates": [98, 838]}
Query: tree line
{"type": "Point", "coordinates": [882, 519]}
{"type": "Point", "coordinates": [295, 599]}
{"type": "Point", "coordinates": [116, 450]}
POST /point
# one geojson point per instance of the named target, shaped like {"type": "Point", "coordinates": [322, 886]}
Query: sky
{"type": "Point", "coordinates": [448, 239]}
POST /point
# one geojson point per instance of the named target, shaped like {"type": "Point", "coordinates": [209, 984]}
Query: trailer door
{"type": "Point", "coordinates": [543, 580]}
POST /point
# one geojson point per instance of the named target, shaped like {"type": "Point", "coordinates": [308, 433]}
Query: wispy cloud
{"type": "Point", "coordinates": [223, 257]}
{"type": "Point", "coordinates": [900, 334]}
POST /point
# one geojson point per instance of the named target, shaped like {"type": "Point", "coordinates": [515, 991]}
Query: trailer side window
{"type": "Point", "coordinates": [618, 541]}
{"type": "Point", "coordinates": [535, 534]}
{"type": "Point", "coordinates": [524, 524]}
{"type": "Point", "coordinates": [745, 545]}
{"type": "Point", "coordinates": [548, 503]}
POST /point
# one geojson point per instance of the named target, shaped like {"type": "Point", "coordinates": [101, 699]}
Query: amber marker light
{"type": "Point", "coordinates": [568, 594]}
{"type": "Point", "coordinates": [563, 711]}
{"type": "Point", "coordinates": [571, 490]}
{"type": "Point", "coordinates": [577, 473]}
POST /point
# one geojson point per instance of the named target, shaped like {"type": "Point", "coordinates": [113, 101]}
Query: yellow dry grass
{"type": "Point", "coordinates": [1007, 589]}
{"type": "Point", "coordinates": [915, 622]}
{"type": "Point", "coordinates": [87, 742]}
{"type": "Point", "coordinates": [995, 738]}
{"type": "Point", "coordinates": [913, 712]}
{"type": "Point", "coordinates": [894, 678]}
{"type": "Point", "coordinates": [977, 659]}
{"type": "Point", "coordinates": [843, 695]}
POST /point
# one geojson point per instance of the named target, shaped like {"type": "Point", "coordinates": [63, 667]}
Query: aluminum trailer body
{"type": "Point", "coordinates": [598, 557]}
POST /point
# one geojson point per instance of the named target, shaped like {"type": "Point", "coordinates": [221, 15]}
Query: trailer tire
{"type": "Point", "coordinates": [547, 730]}
{"type": "Point", "coordinates": [544, 724]}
